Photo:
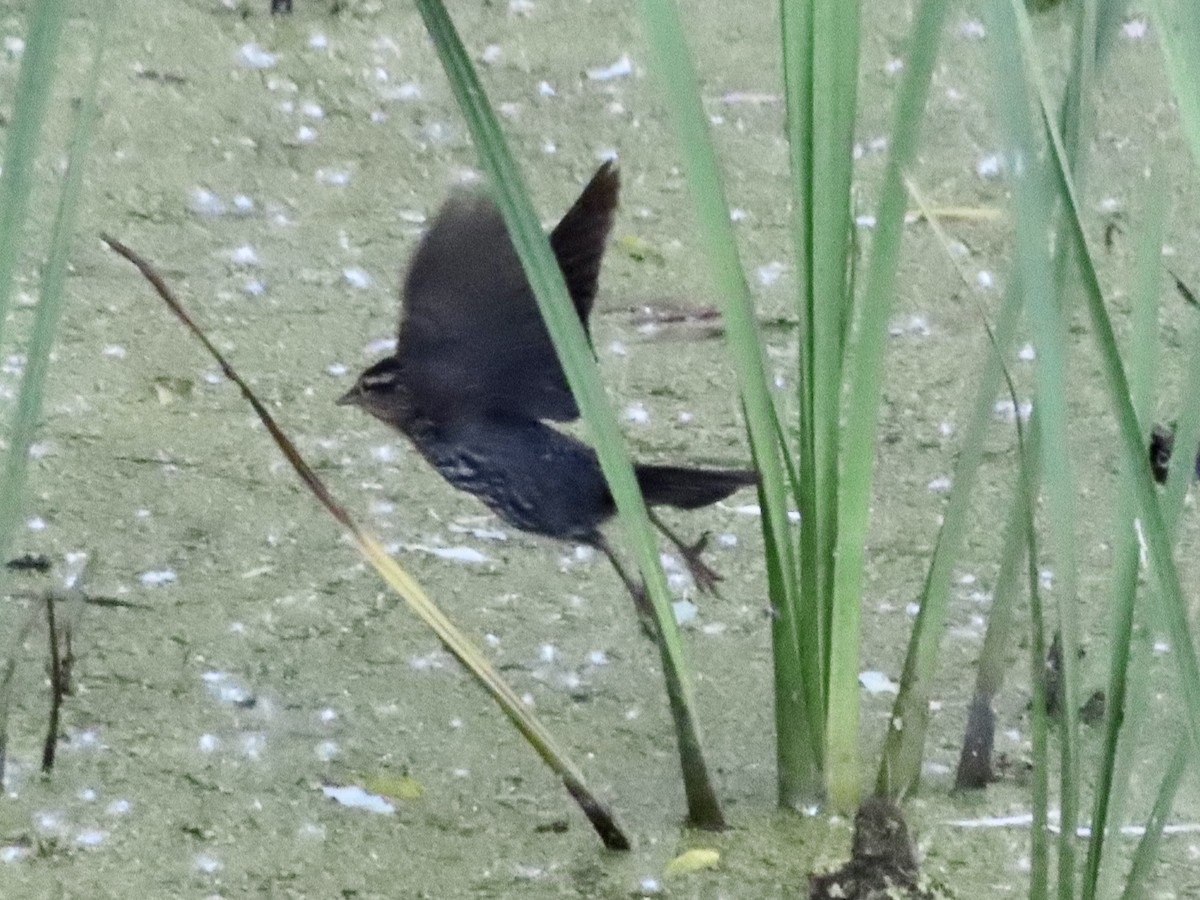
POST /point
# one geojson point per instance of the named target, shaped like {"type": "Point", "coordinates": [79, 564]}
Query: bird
{"type": "Point", "coordinates": [1162, 445]}
{"type": "Point", "coordinates": [474, 382]}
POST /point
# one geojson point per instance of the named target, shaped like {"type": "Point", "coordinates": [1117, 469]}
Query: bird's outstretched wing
{"type": "Point", "coordinates": [471, 337]}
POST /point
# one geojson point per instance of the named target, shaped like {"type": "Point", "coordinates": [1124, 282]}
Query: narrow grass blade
{"type": "Point", "coordinates": [674, 67]}
{"type": "Point", "coordinates": [571, 344]}
{"type": "Point", "coordinates": [1143, 367]}
{"type": "Point", "coordinates": [1179, 37]}
{"type": "Point", "coordinates": [858, 438]}
{"type": "Point", "coordinates": [900, 767]}
{"type": "Point", "coordinates": [402, 583]}
{"type": "Point", "coordinates": [1172, 606]}
{"type": "Point", "coordinates": [38, 65]}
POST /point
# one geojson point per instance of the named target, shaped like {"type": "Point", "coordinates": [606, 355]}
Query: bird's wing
{"type": "Point", "coordinates": [471, 335]}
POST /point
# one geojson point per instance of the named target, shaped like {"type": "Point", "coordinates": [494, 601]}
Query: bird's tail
{"type": "Point", "coordinates": [689, 488]}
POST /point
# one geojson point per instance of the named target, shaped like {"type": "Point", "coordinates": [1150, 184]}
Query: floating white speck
{"type": "Point", "coordinates": [213, 377]}
{"type": "Point", "coordinates": [877, 144]}
{"type": "Point", "coordinates": [356, 278]}
{"type": "Point", "coordinates": [245, 256]}
{"type": "Point", "coordinates": [491, 54]}
{"type": "Point", "coordinates": [255, 57]}
{"type": "Point", "coordinates": [547, 653]}
{"type": "Point", "coordinates": [940, 484]}
{"type": "Point", "coordinates": [520, 7]}
{"type": "Point", "coordinates": [384, 453]}
{"type": "Point", "coordinates": [254, 287]}
{"type": "Point", "coordinates": [380, 345]}
{"type": "Point", "coordinates": [509, 110]}
{"type": "Point", "coordinates": [1047, 578]}
{"type": "Point", "coordinates": [378, 116]}
{"type": "Point", "coordinates": [455, 554]}
{"type": "Point", "coordinates": [1134, 29]}
{"type": "Point", "coordinates": [621, 68]}
{"type": "Point", "coordinates": [208, 743]}
{"type": "Point", "coordinates": [750, 98]}
{"type": "Point", "coordinates": [483, 534]}
{"type": "Point", "coordinates": [116, 351]}
{"type": "Point", "coordinates": [326, 750]}
{"type": "Point", "coordinates": [1110, 205]}
{"type": "Point", "coordinates": [118, 807]}
{"type": "Point", "coordinates": [37, 523]}
{"type": "Point", "coordinates": [865, 221]}
{"type": "Point", "coordinates": [893, 66]}
{"type": "Point", "coordinates": [685, 611]}
{"type": "Point", "coordinates": [312, 110]}
{"type": "Point", "coordinates": [209, 865]}
{"type": "Point", "coordinates": [318, 41]}
{"type": "Point", "coordinates": [242, 204]}
{"type": "Point", "coordinates": [1027, 353]}
{"type": "Point", "coordinates": [546, 89]}
{"type": "Point", "coordinates": [1161, 647]}
{"type": "Point", "coordinates": [357, 798]}
{"type": "Point", "coordinates": [157, 577]}
{"type": "Point", "coordinates": [549, 147]}
{"type": "Point", "coordinates": [91, 837]}
{"type": "Point", "coordinates": [717, 120]}
{"type": "Point", "coordinates": [204, 202]}
{"type": "Point", "coordinates": [972, 29]}
{"type": "Point", "coordinates": [306, 134]}
{"type": "Point", "coordinates": [336, 177]}
{"type": "Point", "coordinates": [583, 553]}
{"type": "Point", "coordinates": [990, 167]}
{"type": "Point", "coordinates": [650, 886]}
{"type": "Point", "coordinates": [253, 745]}
{"type": "Point", "coordinates": [1004, 410]}
{"type": "Point", "coordinates": [769, 273]}
{"type": "Point", "coordinates": [985, 279]}
{"type": "Point", "coordinates": [617, 348]}
{"type": "Point", "coordinates": [637, 413]}
{"type": "Point", "coordinates": [336, 369]}
{"type": "Point", "coordinates": [597, 658]}
{"type": "Point", "coordinates": [13, 45]}
{"type": "Point", "coordinates": [410, 90]}
{"type": "Point", "coordinates": [87, 795]}
{"type": "Point", "coordinates": [12, 853]}
{"type": "Point", "coordinates": [737, 214]}
{"type": "Point", "coordinates": [686, 417]}
{"type": "Point", "coordinates": [877, 683]}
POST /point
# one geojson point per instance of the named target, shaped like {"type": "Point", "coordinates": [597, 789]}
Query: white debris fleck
{"type": "Point", "coordinates": [985, 279]}
{"type": "Point", "coordinates": [13, 45]}
{"type": "Point", "coordinates": [1134, 29]}
{"type": "Point", "coordinates": [305, 134]}
{"type": "Point", "coordinates": [243, 204]}
{"type": "Point", "coordinates": [621, 68]}
{"type": "Point", "coordinates": [157, 577]}
{"type": "Point", "coordinates": [318, 41]}
{"type": "Point", "coordinates": [255, 57]}
{"type": "Point", "coordinates": [1027, 353]}
{"type": "Point", "coordinates": [455, 554]}
{"type": "Point", "coordinates": [877, 683]}
{"type": "Point", "coordinates": [769, 273]}
{"type": "Point", "coordinates": [1111, 205]}
{"type": "Point", "coordinates": [207, 864]}
{"type": "Point", "coordinates": [737, 214]}
{"type": "Point", "coordinates": [254, 287]}
{"type": "Point", "coordinates": [1161, 647]}
{"type": "Point", "coordinates": [940, 484]}
{"type": "Point", "coordinates": [549, 147]}
{"type": "Point", "coordinates": [547, 653]}
{"type": "Point", "coordinates": [546, 89]}
{"type": "Point", "coordinates": [685, 611]}
{"type": "Point", "coordinates": [116, 351]}
{"type": "Point", "coordinates": [208, 743]}
{"type": "Point", "coordinates": [356, 277]}
{"type": "Point", "coordinates": [617, 348]}
{"type": "Point", "coordinates": [893, 66]}
{"type": "Point", "coordinates": [336, 177]}
{"type": "Point", "coordinates": [520, 7]}
{"type": "Point", "coordinates": [1003, 409]}
{"type": "Point", "coordinates": [204, 202]}
{"type": "Point", "coordinates": [972, 29]}
{"type": "Point", "coordinates": [945, 429]}
{"type": "Point", "coordinates": [253, 745]}
{"type": "Point", "coordinates": [990, 167]}
{"type": "Point", "coordinates": [326, 750]}
{"type": "Point", "coordinates": [312, 110]}
{"type": "Point", "coordinates": [637, 413]}
{"type": "Point", "coordinates": [597, 658]}
{"type": "Point", "coordinates": [650, 886]}
{"type": "Point", "coordinates": [380, 345]}
{"type": "Point", "coordinates": [865, 221]}
{"type": "Point", "coordinates": [245, 256]}
{"type": "Point", "coordinates": [91, 837]}
{"type": "Point", "coordinates": [336, 369]}
{"type": "Point", "coordinates": [491, 54]}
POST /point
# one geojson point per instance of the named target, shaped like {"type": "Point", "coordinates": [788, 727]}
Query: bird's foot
{"type": "Point", "coordinates": [705, 576]}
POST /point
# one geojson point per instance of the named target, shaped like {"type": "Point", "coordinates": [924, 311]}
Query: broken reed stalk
{"type": "Point", "coordinates": [598, 814]}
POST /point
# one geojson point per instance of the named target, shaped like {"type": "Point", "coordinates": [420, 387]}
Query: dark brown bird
{"type": "Point", "coordinates": [475, 376]}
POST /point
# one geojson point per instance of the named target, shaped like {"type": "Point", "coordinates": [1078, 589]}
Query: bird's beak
{"type": "Point", "coordinates": [350, 398]}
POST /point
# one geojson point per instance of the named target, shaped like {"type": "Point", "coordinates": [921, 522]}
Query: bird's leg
{"type": "Point", "coordinates": [637, 590]}
{"type": "Point", "coordinates": [705, 577]}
